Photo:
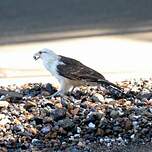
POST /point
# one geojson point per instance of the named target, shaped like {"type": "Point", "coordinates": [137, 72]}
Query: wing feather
{"type": "Point", "coordinates": [75, 70]}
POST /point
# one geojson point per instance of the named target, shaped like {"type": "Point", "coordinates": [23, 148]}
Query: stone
{"type": "Point", "coordinates": [45, 93]}
{"type": "Point", "coordinates": [66, 123]}
{"type": "Point", "coordinates": [45, 129]}
{"type": "Point", "coordinates": [4, 104]}
{"type": "Point", "coordinates": [97, 97]}
{"type": "Point", "coordinates": [29, 104]}
{"type": "Point", "coordinates": [11, 94]}
{"type": "Point", "coordinates": [4, 121]}
{"type": "Point", "coordinates": [58, 114]}
{"type": "Point", "coordinates": [100, 132]}
{"type": "Point", "coordinates": [2, 116]}
{"type": "Point", "coordinates": [38, 120]}
{"type": "Point", "coordinates": [78, 130]}
{"type": "Point", "coordinates": [91, 125]}
{"type": "Point", "coordinates": [58, 105]}
{"type": "Point", "coordinates": [37, 142]}
{"type": "Point", "coordinates": [114, 113]}
{"type": "Point", "coordinates": [80, 144]}
{"type": "Point", "coordinates": [18, 128]}
{"type": "Point", "coordinates": [49, 88]}
{"type": "Point", "coordinates": [94, 116]}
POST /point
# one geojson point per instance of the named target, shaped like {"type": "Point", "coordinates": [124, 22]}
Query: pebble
{"type": "Point", "coordinates": [4, 104]}
{"type": "Point", "coordinates": [29, 104]}
{"type": "Point", "coordinates": [66, 123]}
{"type": "Point", "coordinates": [94, 116]}
{"type": "Point", "coordinates": [4, 121]}
{"type": "Point", "coordinates": [18, 128]}
{"type": "Point", "coordinates": [2, 116]}
{"type": "Point", "coordinates": [49, 88]}
{"type": "Point", "coordinates": [37, 142]}
{"type": "Point", "coordinates": [132, 136]}
{"type": "Point", "coordinates": [150, 109]}
{"type": "Point", "coordinates": [80, 144]}
{"type": "Point", "coordinates": [45, 129]}
{"type": "Point", "coordinates": [114, 113]}
{"type": "Point", "coordinates": [78, 130]}
{"type": "Point", "coordinates": [58, 114]}
{"type": "Point", "coordinates": [91, 125]}
{"type": "Point", "coordinates": [97, 98]}
{"type": "Point", "coordinates": [101, 140]}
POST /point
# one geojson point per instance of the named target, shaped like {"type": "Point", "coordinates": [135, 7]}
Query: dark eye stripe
{"type": "Point", "coordinates": [42, 52]}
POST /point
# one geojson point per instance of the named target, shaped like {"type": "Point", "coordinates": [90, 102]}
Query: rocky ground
{"type": "Point", "coordinates": [89, 120]}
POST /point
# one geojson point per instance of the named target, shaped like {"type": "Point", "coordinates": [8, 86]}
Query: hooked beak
{"type": "Point", "coordinates": [36, 56]}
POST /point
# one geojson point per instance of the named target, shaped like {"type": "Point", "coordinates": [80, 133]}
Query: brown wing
{"type": "Point", "coordinates": [75, 70]}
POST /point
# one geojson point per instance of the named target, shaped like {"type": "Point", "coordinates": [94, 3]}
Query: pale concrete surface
{"type": "Point", "coordinates": [118, 58]}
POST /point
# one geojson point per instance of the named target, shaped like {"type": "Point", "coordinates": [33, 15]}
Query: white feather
{"type": "Point", "coordinates": [51, 61]}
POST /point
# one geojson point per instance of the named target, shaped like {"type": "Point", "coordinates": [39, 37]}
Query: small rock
{"type": "Point", "coordinates": [150, 109]}
{"type": "Point", "coordinates": [66, 123]}
{"type": "Point", "coordinates": [18, 128]}
{"type": "Point", "coordinates": [94, 116]}
{"type": "Point", "coordinates": [2, 116]}
{"type": "Point", "coordinates": [47, 120]}
{"type": "Point", "coordinates": [3, 149]}
{"type": "Point", "coordinates": [114, 113]}
{"type": "Point", "coordinates": [11, 94]}
{"type": "Point", "coordinates": [78, 130]}
{"type": "Point", "coordinates": [4, 104]}
{"type": "Point", "coordinates": [132, 136]}
{"type": "Point", "coordinates": [71, 138]}
{"type": "Point", "coordinates": [45, 93]}
{"type": "Point", "coordinates": [50, 88]}
{"type": "Point", "coordinates": [46, 129]}
{"type": "Point", "coordinates": [32, 130]}
{"type": "Point", "coordinates": [101, 140]}
{"type": "Point", "coordinates": [4, 121]}
{"type": "Point", "coordinates": [75, 111]}
{"type": "Point", "coordinates": [80, 144]}
{"type": "Point", "coordinates": [51, 135]}
{"type": "Point", "coordinates": [117, 129]}
{"type": "Point", "coordinates": [127, 124]}
{"type": "Point", "coordinates": [145, 95]}
{"type": "Point", "coordinates": [100, 132]}
{"type": "Point", "coordinates": [77, 136]}
{"type": "Point", "coordinates": [37, 142]}
{"type": "Point", "coordinates": [91, 125]}
{"type": "Point", "coordinates": [135, 124]}
{"type": "Point", "coordinates": [29, 104]}
{"type": "Point", "coordinates": [97, 97]}
{"type": "Point", "coordinates": [38, 120]}
{"type": "Point", "coordinates": [128, 103]}
{"type": "Point", "coordinates": [58, 114]}
{"type": "Point", "coordinates": [58, 105]}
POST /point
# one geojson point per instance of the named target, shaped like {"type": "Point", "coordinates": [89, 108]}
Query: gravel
{"type": "Point", "coordinates": [89, 120]}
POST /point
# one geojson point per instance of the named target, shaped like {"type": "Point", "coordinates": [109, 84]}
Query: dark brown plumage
{"type": "Point", "coordinates": [75, 70]}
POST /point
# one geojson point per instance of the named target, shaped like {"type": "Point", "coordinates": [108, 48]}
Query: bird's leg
{"type": "Point", "coordinates": [58, 93]}
{"type": "Point", "coordinates": [71, 91]}
{"type": "Point", "coordinates": [62, 91]}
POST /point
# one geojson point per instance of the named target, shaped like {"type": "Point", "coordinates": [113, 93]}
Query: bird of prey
{"type": "Point", "coordinates": [69, 72]}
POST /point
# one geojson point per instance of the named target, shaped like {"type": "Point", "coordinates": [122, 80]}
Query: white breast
{"type": "Point", "coordinates": [52, 68]}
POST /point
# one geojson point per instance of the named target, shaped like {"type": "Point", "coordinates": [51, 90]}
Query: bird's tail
{"type": "Point", "coordinates": [115, 90]}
